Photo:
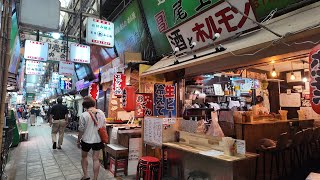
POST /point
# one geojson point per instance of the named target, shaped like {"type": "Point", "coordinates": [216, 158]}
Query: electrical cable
{"type": "Point", "coordinates": [254, 21]}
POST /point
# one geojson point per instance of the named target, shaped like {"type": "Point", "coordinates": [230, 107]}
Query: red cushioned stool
{"type": "Point", "coordinates": [149, 168]}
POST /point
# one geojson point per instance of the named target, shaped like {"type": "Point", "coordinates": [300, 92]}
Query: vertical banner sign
{"type": "Point", "coordinates": [128, 98]}
{"type": "Point", "coordinates": [66, 68]}
{"type": "Point", "coordinates": [221, 18]}
{"type": "Point", "coordinates": [119, 82]}
{"type": "Point", "coordinates": [170, 95]}
{"type": "Point", "coordinates": [55, 77]}
{"type": "Point", "coordinates": [94, 90]}
{"type": "Point", "coordinates": [159, 100]}
{"type": "Point", "coordinates": [80, 53]}
{"type": "Point", "coordinates": [314, 61]}
{"type": "Point", "coordinates": [165, 100]}
{"type": "Point", "coordinates": [35, 50]}
{"type": "Point", "coordinates": [144, 105]}
{"type": "Point", "coordinates": [100, 32]}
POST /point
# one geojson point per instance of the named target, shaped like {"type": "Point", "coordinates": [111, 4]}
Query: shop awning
{"type": "Point", "coordinates": [300, 25]}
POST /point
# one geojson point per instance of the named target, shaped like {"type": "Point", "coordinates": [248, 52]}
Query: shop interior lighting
{"type": "Point", "coordinates": [304, 79]}
{"type": "Point", "coordinates": [176, 49]}
{"type": "Point", "coordinates": [292, 77]}
{"type": "Point", "coordinates": [273, 72]}
{"type": "Point", "coordinates": [216, 36]}
{"type": "Point", "coordinates": [193, 44]}
{"type": "Point", "coordinates": [56, 35]}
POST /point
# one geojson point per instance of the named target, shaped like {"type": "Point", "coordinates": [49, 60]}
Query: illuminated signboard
{"type": "Point", "coordinates": [100, 32]}
{"type": "Point", "coordinates": [35, 50]}
{"type": "Point", "coordinates": [80, 53]}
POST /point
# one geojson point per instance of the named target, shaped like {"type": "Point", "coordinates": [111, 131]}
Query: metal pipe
{"type": "Point", "coordinates": [100, 9]}
{"type": "Point", "coordinates": [74, 8]}
{"type": "Point", "coordinates": [69, 11]}
{"type": "Point", "coordinates": [6, 67]}
{"type": "Point", "coordinates": [80, 32]}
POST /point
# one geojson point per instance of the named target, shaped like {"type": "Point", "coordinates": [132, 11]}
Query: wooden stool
{"type": "Point", "coordinates": [118, 152]}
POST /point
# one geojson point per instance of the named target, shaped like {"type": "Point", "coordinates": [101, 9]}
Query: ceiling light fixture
{"type": "Point", "coordinates": [273, 72]}
{"type": "Point", "coordinates": [304, 79]}
{"type": "Point", "coordinates": [56, 35]}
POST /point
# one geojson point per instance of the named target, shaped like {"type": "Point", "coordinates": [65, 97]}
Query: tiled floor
{"type": "Point", "coordinates": [36, 160]}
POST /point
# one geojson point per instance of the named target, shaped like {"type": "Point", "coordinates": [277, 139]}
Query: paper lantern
{"type": "Point", "coordinates": [94, 90]}
{"type": "Point", "coordinates": [314, 59]}
{"type": "Point", "coordinates": [144, 105]}
{"type": "Point", "coordinates": [129, 98]}
{"type": "Point", "coordinates": [119, 82]}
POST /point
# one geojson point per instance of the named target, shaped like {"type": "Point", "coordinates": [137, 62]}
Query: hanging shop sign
{"type": "Point", "coordinates": [144, 103]}
{"type": "Point", "coordinates": [35, 50]}
{"type": "Point", "coordinates": [100, 32]}
{"type": "Point", "coordinates": [119, 82]}
{"type": "Point", "coordinates": [55, 77]}
{"type": "Point", "coordinates": [128, 98]}
{"type": "Point", "coordinates": [35, 67]}
{"type": "Point", "coordinates": [94, 90]}
{"type": "Point", "coordinates": [66, 83]}
{"type": "Point", "coordinates": [66, 68]}
{"type": "Point", "coordinates": [165, 100]}
{"type": "Point", "coordinates": [221, 19]}
{"type": "Point", "coordinates": [80, 53]}
{"type": "Point", "coordinates": [314, 61]}
{"type": "Point", "coordinates": [80, 85]}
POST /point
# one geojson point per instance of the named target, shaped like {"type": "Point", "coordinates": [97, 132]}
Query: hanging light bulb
{"type": "Point", "coordinates": [273, 73]}
{"type": "Point", "coordinates": [305, 79]}
{"type": "Point", "coordinates": [292, 77]}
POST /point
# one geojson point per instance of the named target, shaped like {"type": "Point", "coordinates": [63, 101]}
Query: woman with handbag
{"type": "Point", "coordinates": [92, 135]}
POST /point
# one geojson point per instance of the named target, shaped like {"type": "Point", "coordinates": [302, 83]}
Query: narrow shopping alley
{"type": "Point", "coordinates": [36, 160]}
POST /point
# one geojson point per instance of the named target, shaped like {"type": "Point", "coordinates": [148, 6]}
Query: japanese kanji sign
{"type": "Point", "coordinates": [165, 100]}
{"type": "Point", "coordinates": [57, 49]}
{"type": "Point", "coordinates": [80, 53]}
{"type": "Point", "coordinates": [144, 103]}
{"type": "Point", "coordinates": [100, 32]}
{"type": "Point", "coordinates": [314, 61]}
{"type": "Point", "coordinates": [119, 82]}
{"type": "Point", "coordinates": [66, 68]}
{"type": "Point", "coordinates": [221, 18]}
{"type": "Point", "coordinates": [35, 50]}
{"type": "Point", "coordinates": [55, 77]}
{"type": "Point", "coordinates": [34, 67]}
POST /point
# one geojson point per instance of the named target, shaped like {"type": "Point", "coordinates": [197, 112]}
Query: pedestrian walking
{"type": "Point", "coordinates": [33, 116]}
{"type": "Point", "coordinates": [58, 121]}
{"type": "Point", "coordinates": [88, 138]}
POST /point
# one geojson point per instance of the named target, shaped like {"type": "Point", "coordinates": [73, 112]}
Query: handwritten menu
{"type": "Point", "coordinates": [153, 128]}
{"type": "Point", "coordinates": [134, 155]}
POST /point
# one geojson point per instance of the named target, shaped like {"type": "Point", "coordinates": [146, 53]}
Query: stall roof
{"type": "Point", "coordinates": [294, 26]}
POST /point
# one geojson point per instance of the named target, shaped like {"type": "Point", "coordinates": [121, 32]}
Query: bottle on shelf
{"type": "Point", "coordinates": [226, 90]}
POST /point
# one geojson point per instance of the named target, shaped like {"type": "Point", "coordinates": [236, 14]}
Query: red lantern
{"type": "Point", "coordinates": [314, 61]}
{"type": "Point", "coordinates": [144, 105]}
{"type": "Point", "coordinates": [119, 82]}
{"type": "Point", "coordinates": [94, 90]}
{"type": "Point", "coordinates": [128, 98]}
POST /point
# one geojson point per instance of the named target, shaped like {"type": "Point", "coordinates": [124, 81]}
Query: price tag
{"type": "Point", "coordinates": [241, 146]}
{"type": "Point", "coordinates": [169, 120]}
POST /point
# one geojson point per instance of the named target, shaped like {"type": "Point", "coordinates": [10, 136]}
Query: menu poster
{"type": "Point", "coordinates": [35, 67]}
{"type": "Point", "coordinates": [241, 146]}
{"type": "Point", "coordinates": [134, 155]}
{"type": "Point", "coordinates": [153, 128]}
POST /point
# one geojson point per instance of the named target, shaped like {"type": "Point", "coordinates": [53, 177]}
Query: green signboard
{"type": "Point", "coordinates": [166, 14]}
{"type": "Point", "coordinates": [130, 33]}
{"type": "Point", "coordinates": [30, 97]}
{"type": "Point", "coordinates": [263, 7]}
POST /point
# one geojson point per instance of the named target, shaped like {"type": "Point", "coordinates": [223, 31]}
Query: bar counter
{"type": "Point", "coordinates": [253, 131]}
{"type": "Point", "coordinates": [191, 159]}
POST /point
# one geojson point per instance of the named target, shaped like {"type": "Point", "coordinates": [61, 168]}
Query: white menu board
{"type": "Point", "coordinates": [153, 128]}
{"type": "Point", "coordinates": [134, 155]}
{"type": "Point", "coordinates": [66, 68]}
{"type": "Point", "coordinates": [290, 100]}
{"type": "Point", "coordinates": [34, 67]}
{"type": "Point", "coordinates": [36, 50]}
{"type": "Point", "coordinates": [100, 32]}
{"type": "Point", "coordinates": [80, 53]}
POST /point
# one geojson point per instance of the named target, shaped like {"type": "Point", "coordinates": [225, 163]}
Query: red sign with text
{"type": "Point", "coordinates": [94, 90]}
{"type": "Point", "coordinates": [144, 105]}
{"type": "Point", "coordinates": [314, 61]}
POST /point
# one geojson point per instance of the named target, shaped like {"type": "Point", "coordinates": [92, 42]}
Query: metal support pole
{"type": "Point", "coordinates": [80, 32]}
{"type": "Point", "coordinates": [6, 65]}
{"type": "Point", "coordinates": [100, 9]}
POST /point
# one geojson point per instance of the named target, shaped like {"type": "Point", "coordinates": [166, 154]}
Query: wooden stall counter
{"type": "Point", "coordinates": [200, 153]}
{"type": "Point", "coordinates": [253, 131]}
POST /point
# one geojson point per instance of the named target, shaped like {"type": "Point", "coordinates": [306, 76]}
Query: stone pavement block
{"type": "Point", "coordinates": [57, 178]}
{"type": "Point", "coordinates": [37, 178]}
{"type": "Point", "coordinates": [74, 176]}
{"type": "Point", "coordinates": [51, 171]}
{"type": "Point", "coordinates": [53, 175]}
